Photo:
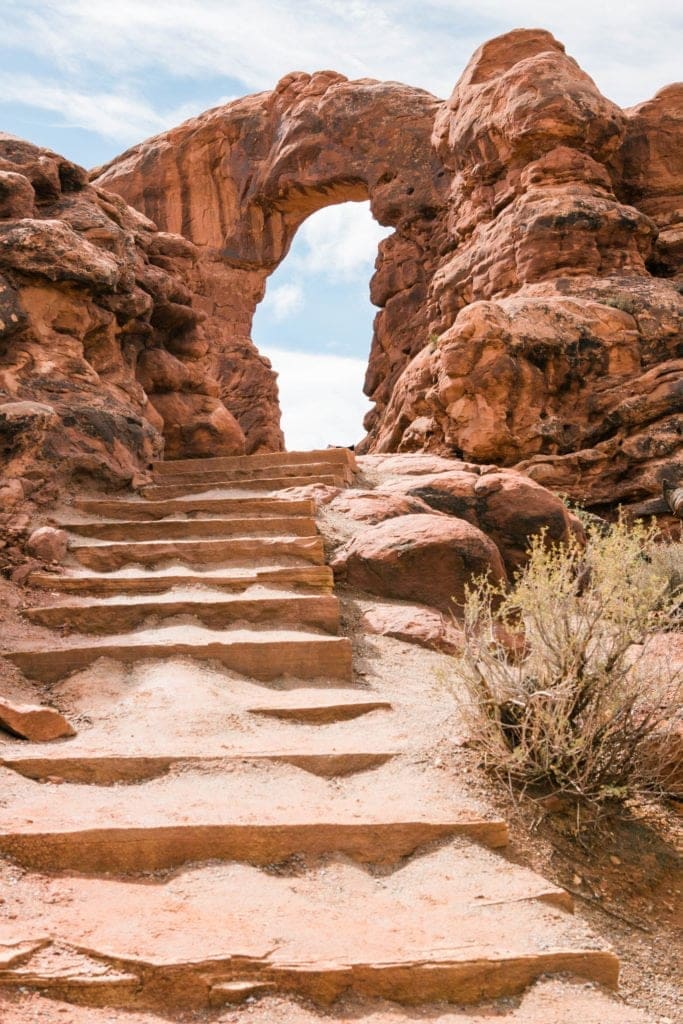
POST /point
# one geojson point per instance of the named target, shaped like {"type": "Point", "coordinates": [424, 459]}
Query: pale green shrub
{"type": "Point", "coordinates": [560, 692]}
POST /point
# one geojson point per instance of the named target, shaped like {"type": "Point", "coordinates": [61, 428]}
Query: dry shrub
{"type": "Point", "coordinates": [578, 710]}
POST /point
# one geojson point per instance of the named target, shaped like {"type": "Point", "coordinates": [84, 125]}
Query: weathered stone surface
{"type": "Point", "coordinates": [48, 544]}
{"type": "Point", "coordinates": [424, 558]}
{"type": "Point", "coordinates": [416, 624]}
{"type": "Point", "coordinates": [97, 332]}
{"type": "Point", "coordinates": [376, 506]}
{"type": "Point", "coordinates": [33, 722]}
{"type": "Point", "coordinates": [529, 313]}
{"type": "Point", "coordinates": [17, 196]}
{"type": "Point", "coordinates": [508, 507]}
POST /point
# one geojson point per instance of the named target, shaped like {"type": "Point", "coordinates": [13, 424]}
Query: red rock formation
{"type": "Point", "coordinates": [425, 558]}
{"type": "Point", "coordinates": [33, 722]}
{"type": "Point", "coordinates": [239, 180]}
{"type": "Point", "coordinates": [100, 346]}
{"type": "Point", "coordinates": [529, 311]}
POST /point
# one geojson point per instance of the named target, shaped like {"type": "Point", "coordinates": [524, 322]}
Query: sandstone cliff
{"type": "Point", "coordinates": [529, 304]}
{"type": "Point", "coordinates": [102, 352]}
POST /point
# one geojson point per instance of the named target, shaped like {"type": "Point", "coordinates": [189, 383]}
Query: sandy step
{"type": "Point", "coordinates": [263, 654]}
{"type": "Point", "coordinates": [183, 529]}
{"type": "Point", "coordinates": [113, 769]}
{"type": "Point", "coordinates": [201, 473]}
{"type": "Point", "coordinates": [120, 508]}
{"type": "Point", "coordinates": [138, 721]}
{"type": "Point", "coordinates": [106, 557]}
{"type": "Point", "coordinates": [549, 1001]}
{"type": "Point", "coordinates": [254, 814]}
{"type": "Point", "coordinates": [237, 580]}
{"type": "Point", "coordinates": [458, 924]}
{"type": "Point", "coordinates": [217, 611]}
{"type": "Point", "coordinates": [343, 457]}
{"type": "Point", "coordinates": [161, 492]}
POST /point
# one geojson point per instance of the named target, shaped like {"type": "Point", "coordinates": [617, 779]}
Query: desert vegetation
{"type": "Point", "coordinates": [565, 691]}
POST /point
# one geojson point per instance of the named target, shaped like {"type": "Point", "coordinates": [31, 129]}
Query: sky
{"type": "Point", "coordinates": [89, 78]}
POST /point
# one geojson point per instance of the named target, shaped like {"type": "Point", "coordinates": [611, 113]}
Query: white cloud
{"type": "Point", "coordinates": [119, 116]}
{"type": "Point", "coordinates": [283, 301]}
{"type": "Point", "coordinates": [339, 242]}
{"type": "Point", "coordinates": [631, 47]}
{"type": "Point", "coordinates": [321, 397]}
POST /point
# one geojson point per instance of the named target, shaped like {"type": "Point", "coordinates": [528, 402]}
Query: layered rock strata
{"type": "Point", "coordinates": [103, 359]}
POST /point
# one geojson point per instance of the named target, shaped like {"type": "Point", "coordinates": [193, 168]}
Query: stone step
{"type": "Point", "coordinates": [549, 1001]}
{"type": "Point", "coordinates": [259, 654]}
{"type": "Point", "coordinates": [337, 456]}
{"type": "Point", "coordinates": [139, 509]}
{"type": "Point", "coordinates": [184, 529]}
{"type": "Point", "coordinates": [137, 721]}
{"type": "Point", "coordinates": [256, 814]}
{"type": "Point", "coordinates": [213, 609]}
{"type": "Point", "coordinates": [162, 492]}
{"type": "Point", "coordinates": [249, 473]}
{"type": "Point", "coordinates": [235, 580]}
{"type": "Point", "coordinates": [457, 924]}
{"type": "Point", "coordinates": [107, 557]}
{"type": "Point", "coordinates": [95, 769]}
{"type": "Point", "coordinates": [319, 712]}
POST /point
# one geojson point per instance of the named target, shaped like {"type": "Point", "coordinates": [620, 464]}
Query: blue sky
{"type": "Point", "coordinates": [90, 77]}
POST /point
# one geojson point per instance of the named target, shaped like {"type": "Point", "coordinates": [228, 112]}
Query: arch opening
{"type": "Point", "coordinates": [315, 324]}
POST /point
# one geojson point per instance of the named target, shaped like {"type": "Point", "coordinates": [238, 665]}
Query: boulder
{"type": "Point", "coordinates": [424, 558]}
{"type": "Point", "coordinates": [376, 506]}
{"type": "Point", "coordinates": [197, 425]}
{"type": "Point", "coordinates": [33, 722]}
{"type": "Point", "coordinates": [508, 507]}
{"type": "Point", "coordinates": [415, 624]}
{"type": "Point", "coordinates": [48, 544]}
{"type": "Point", "coordinates": [17, 195]}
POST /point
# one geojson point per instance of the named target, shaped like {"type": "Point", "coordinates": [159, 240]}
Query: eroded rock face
{"type": "Point", "coordinates": [529, 311]}
{"type": "Point", "coordinates": [102, 353]}
{"type": "Point", "coordinates": [423, 558]}
{"type": "Point", "coordinates": [422, 528]}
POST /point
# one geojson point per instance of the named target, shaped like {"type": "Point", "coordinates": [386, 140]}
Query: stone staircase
{"type": "Point", "coordinates": [235, 817]}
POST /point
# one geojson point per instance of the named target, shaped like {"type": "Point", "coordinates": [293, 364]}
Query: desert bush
{"type": "Point", "coordinates": [578, 706]}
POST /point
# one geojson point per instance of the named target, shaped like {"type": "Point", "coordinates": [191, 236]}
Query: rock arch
{"type": "Point", "coordinates": [529, 311]}
{"type": "Point", "coordinates": [240, 180]}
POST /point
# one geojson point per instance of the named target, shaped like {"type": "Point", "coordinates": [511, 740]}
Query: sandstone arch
{"type": "Point", "coordinates": [258, 168]}
{"type": "Point", "coordinates": [529, 312]}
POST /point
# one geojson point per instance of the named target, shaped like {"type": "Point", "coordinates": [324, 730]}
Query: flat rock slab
{"type": "Point", "coordinates": [154, 581]}
{"type": "Point", "coordinates": [188, 528]}
{"type": "Point", "coordinates": [547, 1002]}
{"type": "Point", "coordinates": [92, 768]}
{"type": "Point", "coordinates": [343, 457]}
{"type": "Point", "coordinates": [34, 722]}
{"type": "Point", "coordinates": [211, 608]}
{"type": "Point", "coordinates": [107, 557]}
{"type": "Point", "coordinates": [483, 929]}
{"type": "Point", "coordinates": [249, 474]}
{"type": "Point", "coordinates": [259, 815]}
{"type": "Point", "coordinates": [139, 509]}
{"type": "Point", "coordinates": [161, 492]}
{"type": "Point", "coordinates": [264, 654]}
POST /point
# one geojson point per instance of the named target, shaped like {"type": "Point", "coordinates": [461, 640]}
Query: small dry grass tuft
{"type": "Point", "coordinates": [578, 710]}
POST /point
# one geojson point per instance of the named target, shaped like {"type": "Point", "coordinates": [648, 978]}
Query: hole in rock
{"type": "Point", "coordinates": [315, 325]}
